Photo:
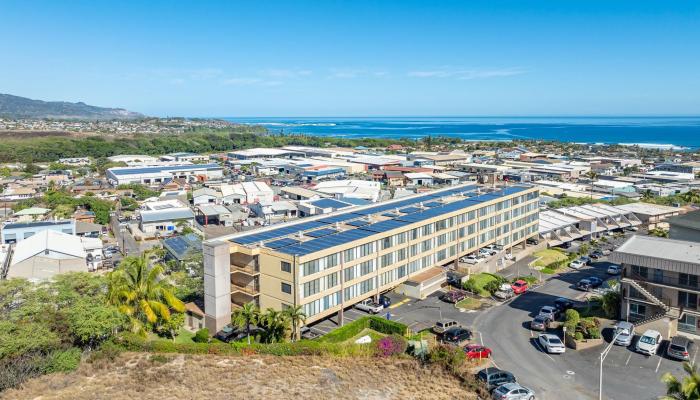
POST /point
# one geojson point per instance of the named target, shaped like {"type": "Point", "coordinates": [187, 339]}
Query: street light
{"type": "Point", "coordinates": [604, 354]}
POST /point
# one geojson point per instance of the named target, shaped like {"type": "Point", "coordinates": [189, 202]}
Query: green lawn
{"type": "Point", "coordinates": [469, 304]}
{"type": "Point", "coordinates": [548, 256]}
{"type": "Point", "coordinates": [480, 280]}
{"type": "Point", "coordinates": [367, 331]}
{"type": "Point", "coordinates": [184, 336]}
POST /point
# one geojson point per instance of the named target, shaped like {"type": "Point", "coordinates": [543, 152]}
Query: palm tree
{"type": "Point", "coordinates": [275, 324]}
{"type": "Point", "coordinates": [692, 197]}
{"type": "Point", "coordinates": [592, 175]}
{"type": "Point", "coordinates": [296, 316]}
{"type": "Point", "coordinates": [647, 195]}
{"type": "Point", "coordinates": [139, 292]}
{"type": "Point", "coordinates": [246, 316]}
{"type": "Point", "coordinates": [688, 389]}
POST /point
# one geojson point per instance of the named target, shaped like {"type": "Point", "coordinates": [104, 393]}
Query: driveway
{"type": "Point", "coordinates": [573, 375]}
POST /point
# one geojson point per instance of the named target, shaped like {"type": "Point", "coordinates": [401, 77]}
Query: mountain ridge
{"type": "Point", "coordinates": [16, 107]}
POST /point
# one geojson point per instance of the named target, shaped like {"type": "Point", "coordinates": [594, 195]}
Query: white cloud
{"type": "Point", "coordinates": [286, 73]}
{"type": "Point", "coordinates": [242, 81]}
{"type": "Point", "coordinates": [350, 73]}
{"type": "Point", "coordinates": [466, 74]}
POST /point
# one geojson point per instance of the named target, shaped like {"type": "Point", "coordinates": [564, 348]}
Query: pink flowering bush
{"type": "Point", "coordinates": [391, 345]}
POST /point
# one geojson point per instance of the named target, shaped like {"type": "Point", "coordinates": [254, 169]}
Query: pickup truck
{"type": "Point", "coordinates": [367, 305]}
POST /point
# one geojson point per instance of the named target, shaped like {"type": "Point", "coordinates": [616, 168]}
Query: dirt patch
{"type": "Point", "coordinates": [143, 376]}
{"type": "Point", "coordinates": [6, 134]}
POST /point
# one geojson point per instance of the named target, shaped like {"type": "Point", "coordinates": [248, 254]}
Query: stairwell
{"type": "Point", "coordinates": [665, 309]}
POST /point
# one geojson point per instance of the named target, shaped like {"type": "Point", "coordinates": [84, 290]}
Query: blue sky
{"type": "Point", "coordinates": [357, 58]}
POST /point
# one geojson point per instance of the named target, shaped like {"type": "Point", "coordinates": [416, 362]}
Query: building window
{"type": "Point", "coordinates": [638, 310]}
{"type": "Point", "coordinates": [688, 300]}
{"type": "Point", "coordinates": [286, 288]}
{"type": "Point", "coordinates": [312, 287]}
{"type": "Point", "coordinates": [286, 267]}
{"type": "Point", "coordinates": [688, 280]}
{"type": "Point", "coordinates": [688, 323]}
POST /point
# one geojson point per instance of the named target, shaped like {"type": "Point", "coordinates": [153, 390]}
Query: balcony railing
{"type": "Point", "coordinates": [251, 289]}
{"type": "Point", "coordinates": [651, 278]}
{"type": "Point", "coordinates": [250, 269]}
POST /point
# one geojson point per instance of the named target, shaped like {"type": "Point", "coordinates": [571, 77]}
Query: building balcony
{"type": "Point", "coordinates": [252, 289]}
{"type": "Point", "coordinates": [673, 282]}
{"type": "Point", "coordinates": [248, 269]}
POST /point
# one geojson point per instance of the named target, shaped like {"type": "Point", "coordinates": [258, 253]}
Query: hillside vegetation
{"type": "Point", "coordinates": [177, 376]}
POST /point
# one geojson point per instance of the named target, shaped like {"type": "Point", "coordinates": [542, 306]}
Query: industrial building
{"type": "Point", "coordinates": [155, 175]}
{"type": "Point", "coordinates": [330, 262]}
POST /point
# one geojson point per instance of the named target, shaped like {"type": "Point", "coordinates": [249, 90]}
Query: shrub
{"type": "Point", "coordinates": [578, 336]}
{"type": "Point", "coordinates": [62, 361]}
{"type": "Point", "coordinates": [386, 326]}
{"type": "Point", "coordinates": [391, 345]}
{"type": "Point", "coordinates": [571, 320]}
{"type": "Point", "coordinates": [470, 286]}
{"type": "Point", "coordinates": [530, 279]}
{"type": "Point", "coordinates": [109, 351]}
{"type": "Point", "coordinates": [493, 286]}
{"type": "Point", "coordinates": [594, 333]}
{"type": "Point", "coordinates": [448, 356]}
{"type": "Point", "coordinates": [202, 336]}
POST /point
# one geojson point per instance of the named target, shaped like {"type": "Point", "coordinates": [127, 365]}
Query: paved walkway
{"type": "Point", "coordinates": [519, 268]}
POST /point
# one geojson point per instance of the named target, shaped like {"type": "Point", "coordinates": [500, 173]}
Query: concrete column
{"type": "Point", "coordinates": [217, 285]}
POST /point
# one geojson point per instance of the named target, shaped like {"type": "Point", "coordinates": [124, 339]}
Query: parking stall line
{"type": "Point", "coordinates": [628, 359]}
{"type": "Point", "coordinates": [537, 342]}
{"type": "Point", "coordinates": [659, 364]}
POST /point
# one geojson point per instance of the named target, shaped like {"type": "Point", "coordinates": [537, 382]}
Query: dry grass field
{"type": "Point", "coordinates": [172, 376]}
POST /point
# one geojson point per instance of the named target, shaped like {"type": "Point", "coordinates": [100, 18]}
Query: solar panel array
{"type": "Point", "coordinates": [326, 237]}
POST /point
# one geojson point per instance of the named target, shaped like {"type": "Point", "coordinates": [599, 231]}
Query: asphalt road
{"type": "Point", "coordinates": [573, 375]}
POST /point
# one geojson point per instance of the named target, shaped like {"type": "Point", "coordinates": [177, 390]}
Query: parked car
{"type": "Point", "coordinates": [308, 333]}
{"type": "Point", "coordinates": [443, 325]}
{"type": "Point", "coordinates": [680, 348]}
{"type": "Point", "coordinates": [550, 311]}
{"type": "Point", "coordinates": [504, 293]}
{"type": "Point", "coordinates": [456, 336]}
{"type": "Point", "coordinates": [494, 377]}
{"type": "Point", "coordinates": [453, 296]}
{"type": "Point", "coordinates": [562, 304]}
{"type": "Point", "coordinates": [586, 259]}
{"type": "Point", "coordinates": [510, 256]}
{"type": "Point", "coordinates": [486, 252]}
{"type": "Point", "coordinates": [532, 241]}
{"type": "Point", "coordinates": [614, 269]}
{"type": "Point", "coordinates": [596, 254]}
{"type": "Point", "coordinates": [385, 301]}
{"type": "Point", "coordinates": [551, 343]}
{"type": "Point", "coordinates": [369, 306]}
{"type": "Point", "coordinates": [494, 248]}
{"type": "Point", "coordinates": [626, 333]}
{"type": "Point", "coordinates": [477, 351]}
{"type": "Point", "coordinates": [513, 391]}
{"type": "Point", "coordinates": [540, 323]}
{"type": "Point", "coordinates": [454, 280]}
{"type": "Point", "coordinates": [519, 286]}
{"type": "Point", "coordinates": [584, 284]}
{"type": "Point", "coordinates": [649, 343]}
{"type": "Point", "coordinates": [226, 334]}
{"type": "Point", "coordinates": [470, 259]}
{"type": "Point", "coordinates": [632, 228]}
{"type": "Point", "coordinates": [595, 281]}
{"type": "Point", "coordinates": [577, 264]}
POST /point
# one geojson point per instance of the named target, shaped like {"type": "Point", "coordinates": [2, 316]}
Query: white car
{"type": "Point", "coordinates": [369, 306]}
{"type": "Point", "coordinates": [614, 269]}
{"type": "Point", "coordinates": [551, 343]}
{"type": "Point", "coordinates": [649, 343]}
{"type": "Point", "coordinates": [577, 264]}
{"type": "Point", "coordinates": [470, 259]}
{"type": "Point", "coordinates": [486, 252]}
{"type": "Point", "coordinates": [549, 312]}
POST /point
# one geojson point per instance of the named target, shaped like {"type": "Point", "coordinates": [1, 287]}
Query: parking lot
{"type": "Point", "coordinates": [575, 374]}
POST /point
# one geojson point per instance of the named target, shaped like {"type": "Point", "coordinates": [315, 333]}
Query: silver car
{"type": "Point", "coordinates": [625, 333]}
{"type": "Point", "coordinates": [513, 391]}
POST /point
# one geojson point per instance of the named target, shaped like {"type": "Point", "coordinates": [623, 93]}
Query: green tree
{"type": "Point", "coordinates": [91, 322]}
{"type": "Point", "coordinates": [172, 326]}
{"type": "Point", "coordinates": [659, 232]}
{"type": "Point", "coordinates": [687, 389]}
{"type": "Point", "coordinates": [246, 316]}
{"type": "Point", "coordinates": [691, 197]}
{"type": "Point", "coordinates": [139, 292]}
{"type": "Point", "coordinates": [274, 324]}
{"type": "Point", "coordinates": [296, 316]}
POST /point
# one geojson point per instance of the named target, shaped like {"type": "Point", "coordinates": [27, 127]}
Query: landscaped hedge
{"type": "Point", "coordinates": [350, 330]}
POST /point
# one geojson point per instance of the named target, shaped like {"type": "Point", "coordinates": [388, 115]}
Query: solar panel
{"type": "Point", "coordinates": [384, 225]}
{"type": "Point", "coordinates": [320, 232]}
{"type": "Point", "coordinates": [409, 210]}
{"type": "Point", "coordinates": [281, 243]}
{"type": "Point", "coordinates": [433, 204]}
{"type": "Point", "coordinates": [358, 222]}
{"type": "Point", "coordinates": [390, 215]}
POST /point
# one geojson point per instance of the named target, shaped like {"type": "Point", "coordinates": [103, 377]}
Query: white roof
{"type": "Point", "coordinates": [418, 175]}
{"type": "Point", "coordinates": [648, 209]}
{"type": "Point", "coordinates": [57, 242]}
{"type": "Point", "coordinates": [261, 152]}
{"type": "Point", "coordinates": [612, 184]}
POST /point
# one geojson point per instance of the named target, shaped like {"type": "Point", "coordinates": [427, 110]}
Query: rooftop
{"type": "Point", "coordinates": [660, 248]}
{"type": "Point", "coordinates": [690, 220]}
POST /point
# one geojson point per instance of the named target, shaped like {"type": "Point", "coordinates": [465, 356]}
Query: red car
{"type": "Point", "coordinates": [519, 286]}
{"type": "Point", "coordinates": [477, 351]}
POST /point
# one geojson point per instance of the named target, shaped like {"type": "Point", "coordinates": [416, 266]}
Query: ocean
{"type": "Point", "coordinates": [660, 132]}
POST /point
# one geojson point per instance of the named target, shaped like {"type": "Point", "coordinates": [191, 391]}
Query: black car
{"type": "Point", "coordinates": [595, 281]}
{"type": "Point", "coordinates": [454, 281]}
{"type": "Point", "coordinates": [456, 335]}
{"type": "Point", "coordinates": [562, 304]}
{"type": "Point", "coordinates": [596, 254]}
{"type": "Point", "coordinates": [532, 241]}
{"type": "Point", "coordinates": [494, 377]}
{"type": "Point", "coordinates": [584, 284]}
{"type": "Point", "coordinates": [226, 334]}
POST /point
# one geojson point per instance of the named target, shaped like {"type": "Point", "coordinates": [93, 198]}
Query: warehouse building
{"type": "Point", "coordinates": [155, 175]}
{"type": "Point", "coordinates": [330, 262]}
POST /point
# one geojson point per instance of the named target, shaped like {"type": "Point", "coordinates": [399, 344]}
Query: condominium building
{"type": "Point", "coordinates": [330, 262]}
{"type": "Point", "coordinates": [660, 283]}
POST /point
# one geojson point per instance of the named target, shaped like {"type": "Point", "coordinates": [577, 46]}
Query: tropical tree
{"type": "Point", "coordinates": [246, 316]}
{"type": "Point", "coordinates": [692, 197]}
{"type": "Point", "coordinates": [658, 232]}
{"type": "Point", "coordinates": [647, 195]}
{"type": "Point", "coordinates": [274, 325]}
{"type": "Point", "coordinates": [296, 316]}
{"type": "Point", "coordinates": [140, 292]}
{"type": "Point", "coordinates": [687, 389]}
{"type": "Point", "coordinates": [592, 176]}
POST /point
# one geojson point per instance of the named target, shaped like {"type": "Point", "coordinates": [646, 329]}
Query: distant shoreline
{"type": "Point", "coordinates": [677, 133]}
